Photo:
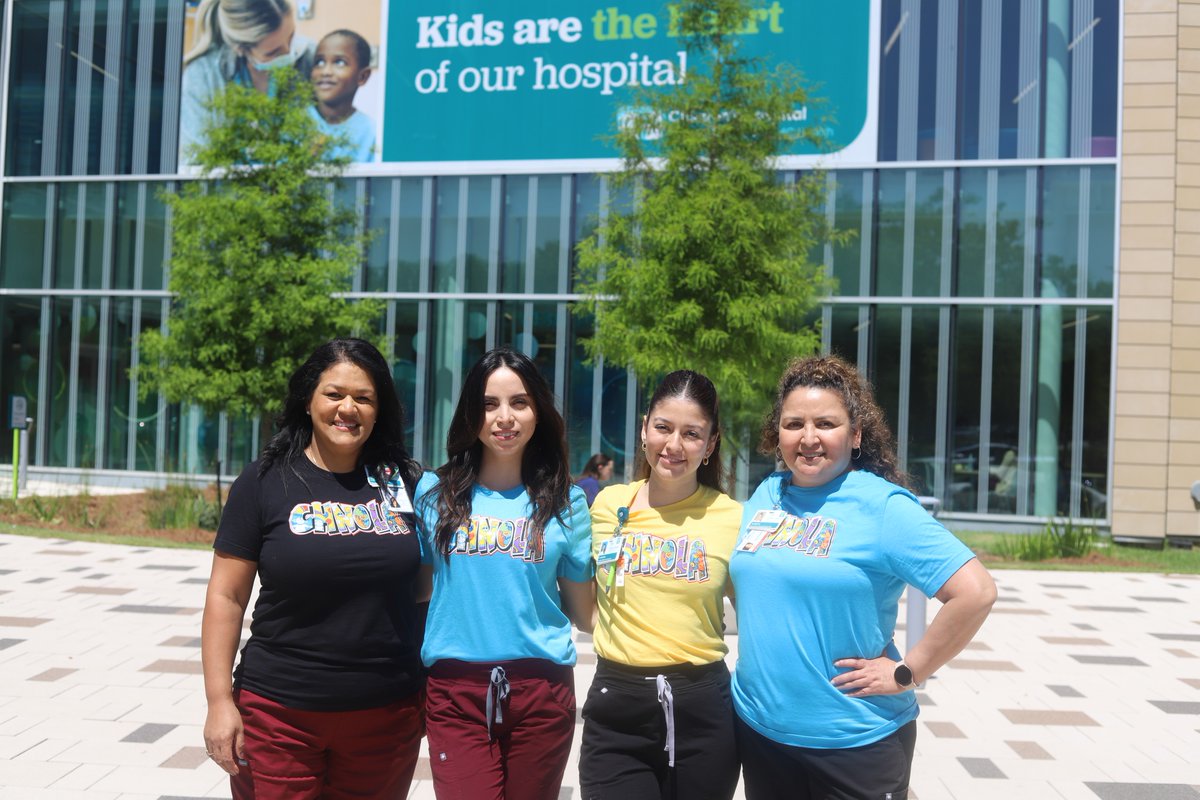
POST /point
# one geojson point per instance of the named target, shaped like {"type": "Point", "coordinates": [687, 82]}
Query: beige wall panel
{"type": "Point", "coordinates": [1189, 38]}
{"type": "Point", "coordinates": [1184, 453]}
{"type": "Point", "coordinates": [1143, 404]}
{"type": "Point", "coordinates": [1144, 333]}
{"type": "Point", "coordinates": [1162, 70]}
{"type": "Point", "coordinates": [1186, 128]}
{"type": "Point", "coordinates": [1186, 291]}
{"type": "Point", "coordinates": [1161, 24]}
{"type": "Point", "coordinates": [1150, 119]}
{"type": "Point", "coordinates": [1132, 428]}
{"type": "Point", "coordinates": [1150, 237]}
{"type": "Point", "coordinates": [1145, 356]}
{"type": "Point", "coordinates": [1147, 309]}
{"type": "Point", "coordinates": [1135, 189]}
{"type": "Point", "coordinates": [1189, 87]}
{"type": "Point", "coordinates": [1143, 95]}
{"type": "Point", "coordinates": [1144, 380]}
{"type": "Point", "coordinates": [1147, 501]}
{"type": "Point", "coordinates": [1187, 102]}
{"type": "Point", "coordinates": [1149, 284]}
{"type": "Point", "coordinates": [1140, 476]}
{"type": "Point", "coordinates": [1187, 198]}
{"type": "Point", "coordinates": [1148, 6]}
{"type": "Point", "coordinates": [1184, 406]}
{"type": "Point", "coordinates": [1187, 313]}
{"type": "Point", "coordinates": [1187, 267]}
{"type": "Point", "coordinates": [1146, 526]}
{"type": "Point", "coordinates": [1150, 142]}
{"type": "Point", "coordinates": [1160, 166]}
{"type": "Point", "coordinates": [1185, 430]}
{"type": "Point", "coordinates": [1189, 12]}
{"type": "Point", "coordinates": [1189, 60]}
{"type": "Point", "coordinates": [1183, 523]}
{"type": "Point", "coordinates": [1150, 48]}
{"type": "Point", "coordinates": [1186, 220]}
{"type": "Point", "coordinates": [1187, 244]}
{"type": "Point", "coordinates": [1178, 475]}
{"type": "Point", "coordinates": [1140, 451]}
{"type": "Point", "coordinates": [1150, 213]}
{"type": "Point", "coordinates": [1188, 152]}
{"type": "Point", "coordinates": [1185, 359]}
{"type": "Point", "coordinates": [1186, 383]}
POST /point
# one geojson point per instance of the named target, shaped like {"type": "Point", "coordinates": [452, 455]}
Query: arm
{"type": "Point", "coordinates": [967, 599]}
{"type": "Point", "coordinates": [579, 602]}
{"type": "Point", "coordinates": [229, 588]}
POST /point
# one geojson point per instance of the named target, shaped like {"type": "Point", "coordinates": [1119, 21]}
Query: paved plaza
{"type": "Point", "coordinates": [1080, 686]}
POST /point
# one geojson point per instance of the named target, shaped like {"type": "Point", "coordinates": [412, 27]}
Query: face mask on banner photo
{"type": "Point", "coordinates": [279, 62]}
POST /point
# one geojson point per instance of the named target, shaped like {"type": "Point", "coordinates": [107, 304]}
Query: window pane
{"type": "Point", "coordinates": [24, 236]}
{"type": "Point", "coordinates": [20, 330]}
{"type": "Point", "coordinates": [115, 413]}
{"type": "Point", "coordinates": [848, 216]}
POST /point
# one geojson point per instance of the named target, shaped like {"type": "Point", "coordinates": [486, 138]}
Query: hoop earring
{"type": "Point", "coordinates": [705, 461]}
{"type": "Point", "coordinates": [855, 453]}
{"type": "Point", "coordinates": [643, 447]}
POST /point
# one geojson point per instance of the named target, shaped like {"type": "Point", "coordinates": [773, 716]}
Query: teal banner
{"type": "Point", "coordinates": [538, 85]}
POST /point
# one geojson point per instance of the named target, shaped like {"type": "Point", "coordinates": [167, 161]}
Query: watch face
{"type": "Point", "coordinates": [903, 675]}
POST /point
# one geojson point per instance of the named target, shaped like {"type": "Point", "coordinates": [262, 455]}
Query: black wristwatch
{"type": "Point", "coordinates": [903, 676]}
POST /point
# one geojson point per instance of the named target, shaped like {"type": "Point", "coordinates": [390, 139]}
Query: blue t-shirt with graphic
{"type": "Point", "coordinates": [496, 598]}
{"type": "Point", "coordinates": [824, 586]}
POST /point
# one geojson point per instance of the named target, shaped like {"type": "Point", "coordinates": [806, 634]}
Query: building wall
{"type": "Point", "coordinates": [1156, 450]}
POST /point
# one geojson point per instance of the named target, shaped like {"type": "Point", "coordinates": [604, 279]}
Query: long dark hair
{"type": "Point", "coordinates": [877, 448]}
{"type": "Point", "coordinates": [544, 466]}
{"type": "Point", "coordinates": [386, 442]}
{"type": "Point", "coordinates": [696, 388]}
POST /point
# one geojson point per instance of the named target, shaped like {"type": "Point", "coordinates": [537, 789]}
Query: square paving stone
{"type": "Point", "coordinates": [1143, 791]}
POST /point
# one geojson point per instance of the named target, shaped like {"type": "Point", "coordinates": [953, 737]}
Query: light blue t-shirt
{"type": "Point", "coordinates": [496, 599]}
{"type": "Point", "coordinates": [826, 586]}
{"type": "Point", "coordinates": [357, 132]}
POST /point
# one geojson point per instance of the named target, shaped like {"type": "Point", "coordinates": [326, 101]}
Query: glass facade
{"type": "Point", "coordinates": [976, 290]}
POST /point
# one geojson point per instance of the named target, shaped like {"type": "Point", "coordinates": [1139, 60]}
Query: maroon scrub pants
{"type": "Point", "coordinates": [333, 755]}
{"type": "Point", "coordinates": [523, 753]}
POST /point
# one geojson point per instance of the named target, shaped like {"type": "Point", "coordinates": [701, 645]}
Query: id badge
{"type": "Point", "coordinates": [393, 494]}
{"type": "Point", "coordinates": [764, 523]}
{"type": "Point", "coordinates": [610, 550]}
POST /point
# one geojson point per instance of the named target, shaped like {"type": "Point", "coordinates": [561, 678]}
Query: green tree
{"type": "Point", "coordinates": [708, 265]}
{"type": "Point", "coordinates": [258, 249]}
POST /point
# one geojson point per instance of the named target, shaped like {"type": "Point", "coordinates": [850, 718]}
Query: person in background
{"type": "Point", "coordinates": [509, 548]}
{"type": "Point", "coordinates": [241, 42]}
{"type": "Point", "coordinates": [326, 699]}
{"type": "Point", "coordinates": [596, 472]}
{"type": "Point", "coordinates": [658, 721]}
{"type": "Point", "coordinates": [343, 64]}
{"type": "Point", "coordinates": [825, 701]}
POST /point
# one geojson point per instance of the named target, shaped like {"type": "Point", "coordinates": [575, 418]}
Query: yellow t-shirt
{"type": "Point", "coordinates": [671, 607]}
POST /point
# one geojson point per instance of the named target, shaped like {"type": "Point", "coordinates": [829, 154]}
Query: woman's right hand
{"type": "Point", "coordinates": [224, 739]}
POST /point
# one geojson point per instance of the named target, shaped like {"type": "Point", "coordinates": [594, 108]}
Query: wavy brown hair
{"type": "Point", "coordinates": [832, 373]}
{"type": "Point", "coordinates": [544, 467]}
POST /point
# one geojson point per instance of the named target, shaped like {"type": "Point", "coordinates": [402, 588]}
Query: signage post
{"type": "Point", "coordinates": [17, 407]}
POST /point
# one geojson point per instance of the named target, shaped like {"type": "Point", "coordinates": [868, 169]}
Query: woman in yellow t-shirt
{"type": "Point", "coordinates": [658, 721]}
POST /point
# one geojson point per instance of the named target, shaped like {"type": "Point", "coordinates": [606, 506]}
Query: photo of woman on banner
{"type": "Point", "coordinates": [244, 42]}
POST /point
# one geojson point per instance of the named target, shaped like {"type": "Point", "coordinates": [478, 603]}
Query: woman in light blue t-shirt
{"type": "Point", "coordinates": [508, 542]}
{"type": "Point", "coordinates": [824, 699]}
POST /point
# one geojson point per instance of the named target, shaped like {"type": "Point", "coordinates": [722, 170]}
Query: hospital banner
{"type": "Point", "coordinates": [458, 87]}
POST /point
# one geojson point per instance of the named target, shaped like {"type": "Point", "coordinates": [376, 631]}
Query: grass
{"type": "Point", "coordinates": [103, 538]}
{"type": "Point", "coordinates": [994, 551]}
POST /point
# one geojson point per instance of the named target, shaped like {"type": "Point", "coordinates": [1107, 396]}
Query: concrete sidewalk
{"type": "Point", "coordinates": [1081, 685]}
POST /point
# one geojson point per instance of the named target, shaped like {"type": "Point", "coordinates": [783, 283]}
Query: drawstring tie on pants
{"type": "Point", "coordinates": [497, 692]}
{"type": "Point", "coordinates": [667, 700]}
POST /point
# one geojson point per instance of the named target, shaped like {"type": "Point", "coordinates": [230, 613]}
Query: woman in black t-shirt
{"type": "Point", "coordinates": [325, 701]}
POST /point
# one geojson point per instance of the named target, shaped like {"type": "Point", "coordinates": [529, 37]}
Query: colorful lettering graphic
{"type": "Point", "coordinates": [682, 558]}
{"type": "Point", "coordinates": [812, 536]}
{"type": "Point", "coordinates": [346, 519]}
{"type": "Point", "coordinates": [485, 536]}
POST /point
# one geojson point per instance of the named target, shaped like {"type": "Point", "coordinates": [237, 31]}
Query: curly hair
{"type": "Point", "coordinates": [877, 450]}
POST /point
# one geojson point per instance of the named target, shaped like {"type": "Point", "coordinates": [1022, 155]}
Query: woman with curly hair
{"type": "Point", "coordinates": [824, 699]}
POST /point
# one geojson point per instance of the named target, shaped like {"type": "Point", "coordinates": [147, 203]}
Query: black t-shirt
{"type": "Point", "coordinates": [333, 628]}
